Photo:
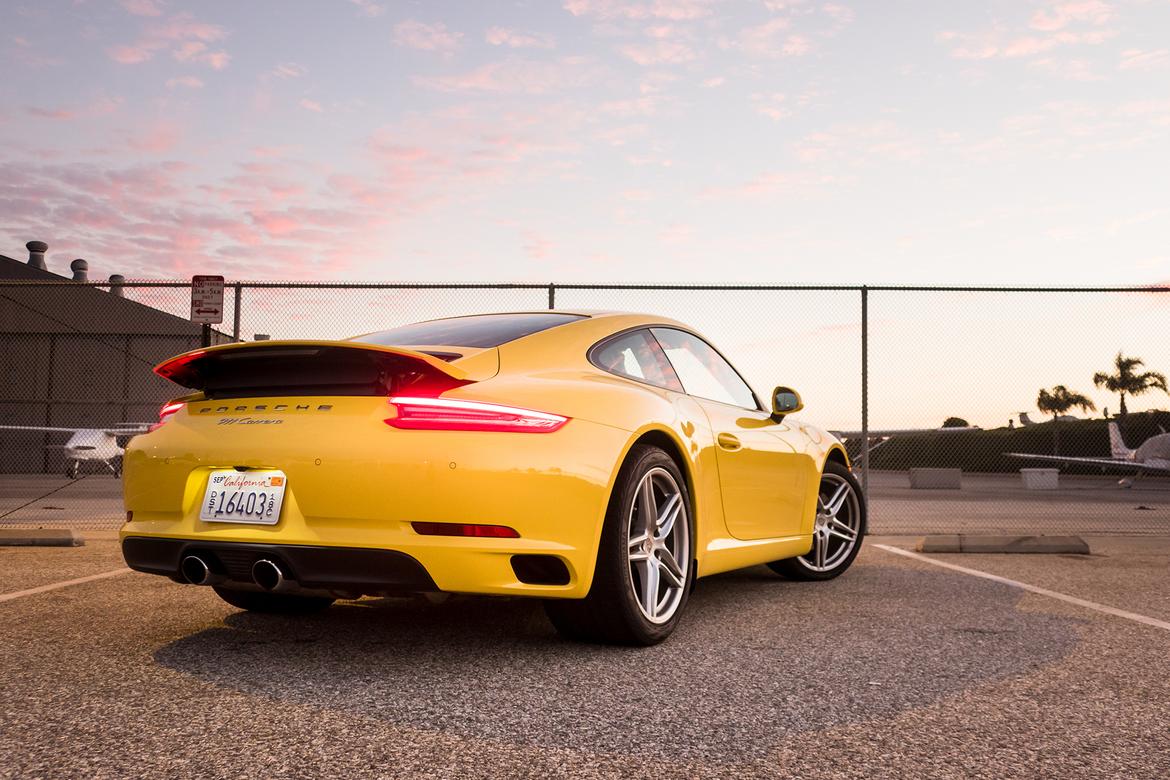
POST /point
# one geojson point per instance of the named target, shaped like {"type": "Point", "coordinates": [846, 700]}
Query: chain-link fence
{"type": "Point", "coordinates": [885, 368]}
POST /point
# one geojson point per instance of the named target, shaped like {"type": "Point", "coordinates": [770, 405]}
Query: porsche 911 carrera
{"type": "Point", "coordinates": [601, 462]}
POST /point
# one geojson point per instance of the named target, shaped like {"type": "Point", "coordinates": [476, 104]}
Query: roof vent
{"type": "Point", "coordinates": [36, 254]}
{"type": "Point", "coordinates": [80, 270]}
{"type": "Point", "coordinates": [116, 282]}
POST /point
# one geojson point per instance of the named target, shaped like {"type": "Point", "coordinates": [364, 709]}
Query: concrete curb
{"type": "Point", "coordinates": [1034, 545]}
{"type": "Point", "coordinates": [40, 537]}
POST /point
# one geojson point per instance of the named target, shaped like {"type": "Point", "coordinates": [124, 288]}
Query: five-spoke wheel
{"type": "Point", "coordinates": [659, 546]}
{"type": "Point", "coordinates": [644, 562]}
{"type": "Point", "coordinates": [837, 530]}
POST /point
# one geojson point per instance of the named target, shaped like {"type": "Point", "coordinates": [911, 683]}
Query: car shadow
{"type": "Point", "coordinates": [755, 658]}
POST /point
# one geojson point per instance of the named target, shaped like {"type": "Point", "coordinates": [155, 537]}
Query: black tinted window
{"type": "Point", "coordinates": [483, 330]}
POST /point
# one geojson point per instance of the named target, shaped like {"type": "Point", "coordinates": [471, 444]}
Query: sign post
{"type": "Point", "coordinates": [207, 303]}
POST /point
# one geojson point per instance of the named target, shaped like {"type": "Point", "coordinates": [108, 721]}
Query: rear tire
{"type": "Point", "coordinates": [838, 531]}
{"type": "Point", "coordinates": [644, 561]}
{"type": "Point", "coordinates": [278, 603]}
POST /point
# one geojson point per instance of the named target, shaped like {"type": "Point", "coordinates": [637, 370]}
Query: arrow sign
{"type": "Point", "coordinates": [207, 299]}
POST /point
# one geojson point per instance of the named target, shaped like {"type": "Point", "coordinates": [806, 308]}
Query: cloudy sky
{"type": "Point", "coordinates": [578, 140]}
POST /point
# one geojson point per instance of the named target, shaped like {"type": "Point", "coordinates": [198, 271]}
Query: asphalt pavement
{"type": "Point", "coordinates": [897, 669]}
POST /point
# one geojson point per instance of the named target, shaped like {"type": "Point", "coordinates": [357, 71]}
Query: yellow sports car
{"type": "Point", "coordinates": [599, 461]}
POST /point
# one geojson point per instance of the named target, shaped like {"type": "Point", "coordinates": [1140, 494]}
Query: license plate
{"type": "Point", "coordinates": [243, 497]}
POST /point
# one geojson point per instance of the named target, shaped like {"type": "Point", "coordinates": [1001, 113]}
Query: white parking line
{"type": "Point", "coordinates": [44, 588]}
{"type": "Point", "coordinates": [1121, 613]}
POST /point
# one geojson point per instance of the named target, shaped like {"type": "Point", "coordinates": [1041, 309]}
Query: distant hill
{"type": "Point", "coordinates": [983, 450]}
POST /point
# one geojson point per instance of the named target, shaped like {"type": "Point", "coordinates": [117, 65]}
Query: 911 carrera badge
{"type": "Point", "coordinates": [247, 421]}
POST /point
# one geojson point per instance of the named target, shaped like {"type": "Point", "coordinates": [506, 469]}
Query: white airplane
{"type": "Point", "coordinates": [90, 444]}
{"type": "Point", "coordinates": [1152, 455]}
{"type": "Point", "coordinates": [1025, 420]}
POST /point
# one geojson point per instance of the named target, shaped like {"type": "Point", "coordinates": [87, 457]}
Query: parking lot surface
{"type": "Point", "coordinates": [897, 669]}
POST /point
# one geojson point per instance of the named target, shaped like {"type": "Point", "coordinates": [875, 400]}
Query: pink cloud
{"type": "Point", "coordinates": [288, 70]}
{"type": "Point", "coordinates": [51, 113]}
{"type": "Point", "coordinates": [771, 105]}
{"type": "Point", "coordinates": [162, 137]}
{"type": "Point", "coordinates": [1138, 59]}
{"type": "Point", "coordinates": [517, 76]}
{"type": "Point", "coordinates": [274, 224]}
{"type": "Point", "coordinates": [191, 82]}
{"type": "Point", "coordinates": [426, 37]}
{"type": "Point", "coordinates": [772, 39]}
{"type": "Point", "coordinates": [142, 7]}
{"type": "Point", "coordinates": [369, 8]}
{"type": "Point", "coordinates": [130, 55]}
{"type": "Point", "coordinates": [658, 52]}
{"type": "Point", "coordinates": [98, 107]}
{"type": "Point", "coordinates": [311, 105]}
{"type": "Point", "coordinates": [676, 10]}
{"type": "Point", "coordinates": [1072, 70]}
{"type": "Point", "coordinates": [1080, 22]}
{"type": "Point", "coordinates": [537, 247]}
{"type": "Point", "coordinates": [1061, 15]}
{"type": "Point", "coordinates": [197, 51]}
{"type": "Point", "coordinates": [515, 39]}
{"type": "Point", "coordinates": [182, 34]}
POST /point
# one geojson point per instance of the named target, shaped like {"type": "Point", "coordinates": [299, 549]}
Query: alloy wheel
{"type": "Point", "coordinates": [837, 527]}
{"type": "Point", "coordinates": [659, 545]}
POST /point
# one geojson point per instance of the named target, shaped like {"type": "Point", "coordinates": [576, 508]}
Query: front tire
{"type": "Point", "coordinates": [837, 532]}
{"type": "Point", "coordinates": [644, 562]}
{"type": "Point", "coordinates": [276, 603]}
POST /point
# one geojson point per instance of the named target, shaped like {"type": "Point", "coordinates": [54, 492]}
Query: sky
{"type": "Point", "coordinates": [581, 140]}
{"type": "Point", "coordinates": [1019, 142]}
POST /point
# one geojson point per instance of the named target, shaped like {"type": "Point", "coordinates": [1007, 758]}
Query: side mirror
{"type": "Point", "coordinates": [785, 400]}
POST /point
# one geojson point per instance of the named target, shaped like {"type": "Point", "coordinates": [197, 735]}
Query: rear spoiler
{"type": "Point", "coordinates": [309, 368]}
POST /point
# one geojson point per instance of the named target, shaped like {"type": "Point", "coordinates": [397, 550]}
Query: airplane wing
{"type": "Point", "coordinates": [875, 432]}
{"type": "Point", "coordinates": [119, 429]}
{"type": "Point", "coordinates": [1123, 465]}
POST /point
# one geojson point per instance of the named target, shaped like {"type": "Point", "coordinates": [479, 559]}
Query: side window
{"type": "Point", "coordinates": [636, 355]}
{"type": "Point", "coordinates": [702, 370]}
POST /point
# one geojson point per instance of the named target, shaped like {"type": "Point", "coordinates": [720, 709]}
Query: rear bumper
{"type": "Point", "coordinates": [353, 569]}
{"type": "Point", "coordinates": [364, 489]}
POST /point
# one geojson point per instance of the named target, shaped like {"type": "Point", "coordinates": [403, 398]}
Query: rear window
{"type": "Point", "coordinates": [482, 330]}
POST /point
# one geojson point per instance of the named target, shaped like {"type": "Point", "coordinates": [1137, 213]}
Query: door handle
{"type": "Point", "coordinates": [728, 442]}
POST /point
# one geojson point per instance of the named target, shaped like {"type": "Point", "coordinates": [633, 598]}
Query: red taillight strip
{"type": "Point", "coordinates": [167, 411]}
{"type": "Point", "coordinates": [449, 414]}
{"type": "Point", "coordinates": [465, 529]}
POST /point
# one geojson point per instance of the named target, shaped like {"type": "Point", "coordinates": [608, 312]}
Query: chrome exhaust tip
{"type": "Point", "coordinates": [267, 575]}
{"type": "Point", "coordinates": [196, 571]}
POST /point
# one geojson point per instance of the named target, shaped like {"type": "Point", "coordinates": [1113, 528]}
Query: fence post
{"type": "Point", "coordinates": [865, 392]}
{"type": "Point", "coordinates": [236, 316]}
{"type": "Point", "coordinates": [552, 296]}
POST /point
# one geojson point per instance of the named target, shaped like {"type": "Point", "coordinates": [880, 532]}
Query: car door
{"type": "Point", "coordinates": [761, 473]}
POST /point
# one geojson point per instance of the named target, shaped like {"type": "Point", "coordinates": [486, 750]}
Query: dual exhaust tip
{"type": "Point", "coordinates": [266, 574]}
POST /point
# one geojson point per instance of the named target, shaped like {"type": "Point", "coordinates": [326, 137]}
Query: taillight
{"type": "Point", "coordinates": [168, 411]}
{"type": "Point", "coordinates": [465, 529]}
{"type": "Point", "coordinates": [449, 414]}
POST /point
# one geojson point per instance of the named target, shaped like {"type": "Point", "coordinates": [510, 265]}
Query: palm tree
{"type": "Point", "coordinates": [1056, 403]}
{"type": "Point", "coordinates": [1127, 380]}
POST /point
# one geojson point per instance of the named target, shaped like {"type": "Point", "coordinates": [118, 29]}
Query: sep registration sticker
{"type": "Point", "coordinates": [243, 497]}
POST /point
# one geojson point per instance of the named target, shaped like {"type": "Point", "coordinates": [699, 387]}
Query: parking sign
{"type": "Point", "coordinates": [207, 299]}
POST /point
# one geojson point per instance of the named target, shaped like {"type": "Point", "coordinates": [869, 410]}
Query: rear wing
{"type": "Point", "coordinates": [283, 368]}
